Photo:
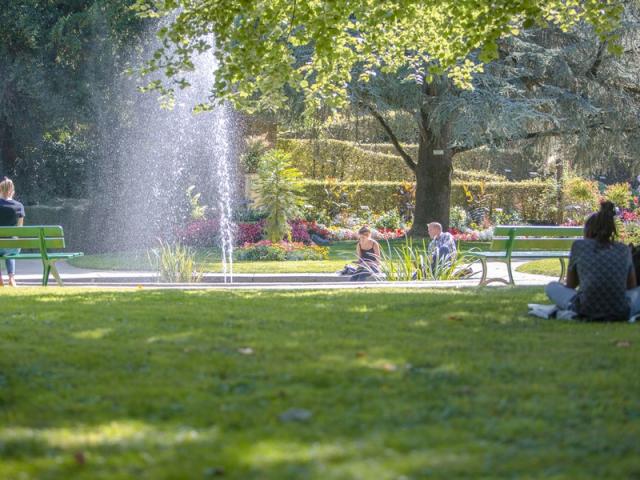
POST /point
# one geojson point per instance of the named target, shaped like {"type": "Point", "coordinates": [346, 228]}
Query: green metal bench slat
{"type": "Point", "coordinates": [32, 231]}
{"type": "Point", "coordinates": [502, 244]}
{"type": "Point", "coordinates": [515, 242]}
{"type": "Point", "coordinates": [41, 238]}
{"type": "Point", "coordinates": [527, 231]}
{"type": "Point", "coordinates": [51, 255]}
{"type": "Point", "coordinates": [540, 254]}
{"type": "Point", "coordinates": [31, 243]}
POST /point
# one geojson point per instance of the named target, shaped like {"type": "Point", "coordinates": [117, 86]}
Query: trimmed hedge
{"type": "Point", "coordinates": [349, 161]}
{"type": "Point", "coordinates": [533, 199]}
{"type": "Point", "coordinates": [344, 161]}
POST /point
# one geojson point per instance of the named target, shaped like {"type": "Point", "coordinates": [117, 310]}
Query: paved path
{"type": "Point", "coordinates": [30, 273]}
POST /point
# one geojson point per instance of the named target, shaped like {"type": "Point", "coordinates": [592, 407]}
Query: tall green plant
{"type": "Point", "coordinates": [412, 261]}
{"type": "Point", "coordinates": [280, 193]}
{"type": "Point", "coordinates": [175, 263]}
{"type": "Point", "coordinates": [197, 211]}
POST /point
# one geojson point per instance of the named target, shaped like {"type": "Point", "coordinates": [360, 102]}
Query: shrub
{"type": "Point", "coordinates": [343, 160]}
{"type": "Point", "coordinates": [299, 231]}
{"type": "Point", "coordinates": [581, 196]}
{"type": "Point", "coordinates": [256, 252]}
{"type": "Point", "coordinates": [200, 233]}
{"type": "Point", "coordinates": [458, 218]}
{"type": "Point", "coordinates": [280, 192]}
{"type": "Point", "coordinates": [619, 194]}
{"type": "Point", "coordinates": [249, 233]}
{"type": "Point", "coordinates": [280, 251]}
{"type": "Point", "coordinates": [205, 233]}
{"type": "Point", "coordinates": [196, 210]}
{"type": "Point", "coordinates": [255, 147]}
{"type": "Point", "coordinates": [389, 220]}
{"type": "Point", "coordinates": [532, 199]}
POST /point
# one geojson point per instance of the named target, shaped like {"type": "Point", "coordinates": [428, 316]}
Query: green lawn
{"type": "Point", "coordinates": [340, 253]}
{"type": "Point", "coordinates": [392, 384]}
{"type": "Point", "coordinates": [550, 267]}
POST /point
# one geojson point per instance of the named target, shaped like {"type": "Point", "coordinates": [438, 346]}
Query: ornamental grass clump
{"type": "Point", "coordinates": [174, 263]}
{"type": "Point", "coordinates": [411, 261]}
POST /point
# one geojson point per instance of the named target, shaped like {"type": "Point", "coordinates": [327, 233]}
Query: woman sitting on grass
{"type": "Point", "coordinates": [11, 215]}
{"type": "Point", "coordinates": [602, 269]}
{"type": "Point", "coordinates": [368, 251]}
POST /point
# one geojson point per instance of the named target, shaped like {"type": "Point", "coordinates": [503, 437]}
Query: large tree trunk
{"type": "Point", "coordinates": [433, 174]}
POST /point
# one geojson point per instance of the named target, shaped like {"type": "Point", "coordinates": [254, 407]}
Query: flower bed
{"type": "Point", "coordinates": [266, 250]}
{"type": "Point", "coordinates": [205, 233]}
{"type": "Point", "coordinates": [469, 235]}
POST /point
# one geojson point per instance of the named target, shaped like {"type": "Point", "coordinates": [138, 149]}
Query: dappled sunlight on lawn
{"type": "Point", "coordinates": [365, 457]}
{"type": "Point", "coordinates": [182, 337]}
{"type": "Point", "coordinates": [120, 433]}
{"type": "Point", "coordinates": [94, 334]}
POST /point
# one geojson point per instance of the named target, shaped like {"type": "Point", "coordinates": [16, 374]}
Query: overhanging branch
{"type": "Point", "coordinates": [394, 140]}
{"type": "Point", "coordinates": [556, 132]}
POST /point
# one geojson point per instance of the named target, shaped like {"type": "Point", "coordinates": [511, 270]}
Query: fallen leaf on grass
{"type": "Point", "coordinates": [245, 350]}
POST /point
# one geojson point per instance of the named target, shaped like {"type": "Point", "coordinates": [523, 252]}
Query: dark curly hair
{"type": "Point", "coordinates": [601, 226]}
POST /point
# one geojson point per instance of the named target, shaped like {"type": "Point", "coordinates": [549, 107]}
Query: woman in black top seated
{"type": "Point", "coordinates": [11, 215]}
{"type": "Point", "coordinates": [368, 251]}
{"type": "Point", "coordinates": [601, 280]}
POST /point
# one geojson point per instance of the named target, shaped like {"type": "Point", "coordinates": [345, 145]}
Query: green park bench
{"type": "Point", "coordinates": [527, 243]}
{"type": "Point", "coordinates": [42, 238]}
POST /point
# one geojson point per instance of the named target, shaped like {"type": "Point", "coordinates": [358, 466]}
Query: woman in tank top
{"type": "Point", "coordinates": [368, 251]}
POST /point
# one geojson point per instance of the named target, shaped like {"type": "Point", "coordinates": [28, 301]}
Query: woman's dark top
{"type": "Point", "coordinates": [602, 274]}
{"type": "Point", "coordinates": [10, 211]}
{"type": "Point", "coordinates": [368, 255]}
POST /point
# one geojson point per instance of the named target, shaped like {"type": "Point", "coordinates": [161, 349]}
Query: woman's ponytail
{"type": "Point", "coordinates": [602, 225]}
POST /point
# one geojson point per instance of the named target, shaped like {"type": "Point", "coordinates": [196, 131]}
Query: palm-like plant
{"type": "Point", "coordinates": [280, 190]}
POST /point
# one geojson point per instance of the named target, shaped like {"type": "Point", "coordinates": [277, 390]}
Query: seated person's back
{"type": "Point", "coordinates": [603, 271]}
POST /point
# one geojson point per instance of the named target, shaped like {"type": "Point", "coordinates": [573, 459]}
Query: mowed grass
{"type": "Point", "coordinates": [340, 253]}
{"type": "Point", "coordinates": [549, 267]}
{"type": "Point", "coordinates": [389, 384]}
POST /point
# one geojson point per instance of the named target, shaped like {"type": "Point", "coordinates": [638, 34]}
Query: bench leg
{"type": "Point", "coordinates": [483, 279]}
{"type": "Point", "coordinates": [56, 275]}
{"type": "Point", "coordinates": [510, 272]}
{"type": "Point", "coordinates": [46, 269]}
{"type": "Point", "coordinates": [486, 281]}
{"type": "Point", "coordinates": [563, 269]}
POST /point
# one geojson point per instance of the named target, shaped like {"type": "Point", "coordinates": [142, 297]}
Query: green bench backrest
{"type": "Point", "coordinates": [29, 237]}
{"type": "Point", "coordinates": [526, 238]}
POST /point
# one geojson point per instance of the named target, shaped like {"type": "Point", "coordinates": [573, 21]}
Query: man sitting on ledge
{"type": "Point", "coordinates": [442, 247]}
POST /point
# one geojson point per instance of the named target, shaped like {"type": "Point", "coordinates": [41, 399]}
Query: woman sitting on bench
{"type": "Point", "coordinates": [11, 215]}
{"type": "Point", "coordinates": [603, 270]}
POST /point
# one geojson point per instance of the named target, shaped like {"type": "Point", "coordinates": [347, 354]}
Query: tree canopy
{"type": "Point", "coordinates": [265, 47]}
